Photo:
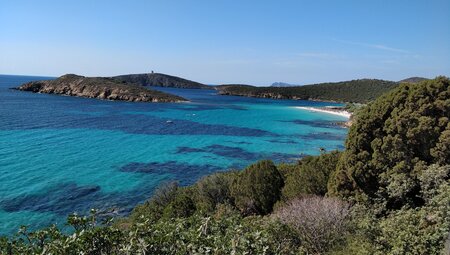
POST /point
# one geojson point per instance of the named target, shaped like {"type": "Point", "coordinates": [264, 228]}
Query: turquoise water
{"type": "Point", "coordinates": [60, 155]}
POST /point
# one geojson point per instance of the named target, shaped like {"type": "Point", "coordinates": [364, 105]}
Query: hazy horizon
{"type": "Point", "coordinates": [220, 42]}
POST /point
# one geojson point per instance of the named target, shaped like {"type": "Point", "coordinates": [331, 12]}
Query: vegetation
{"type": "Point", "coordinates": [257, 188]}
{"type": "Point", "coordinates": [387, 193]}
{"type": "Point", "coordinates": [100, 88]}
{"type": "Point", "coordinates": [319, 222]}
{"type": "Point", "coordinates": [310, 176]}
{"type": "Point", "coordinates": [227, 232]}
{"type": "Point", "coordinates": [161, 80]}
{"type": "Point", "coordinates": [392, 142]}
{"type": "Point", "coordinates": [353, 107]}
{"type": "Point", "coordinates": [414, 79]}
{"type": "Point", "coordinates": [356, 91]}
{"type": "Point", "coordinates": [214, 190]}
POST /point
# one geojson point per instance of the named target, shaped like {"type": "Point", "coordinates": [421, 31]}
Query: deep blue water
{"type": "Point", "coordinates": [60, 154]}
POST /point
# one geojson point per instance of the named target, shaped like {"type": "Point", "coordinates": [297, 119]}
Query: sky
{"type": "Point", "coordinates": [228, 41]}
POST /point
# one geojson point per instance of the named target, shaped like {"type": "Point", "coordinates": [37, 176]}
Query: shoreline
{"type": "Point", "coordinates": [329, 110]}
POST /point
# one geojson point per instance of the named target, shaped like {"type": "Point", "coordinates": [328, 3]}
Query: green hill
{"type": "Point", "coordinates": [356, 91]}
{"type": "Point", "coordinates": [413, 79]}
{"type": "Point", "coordinates": [161, 80]}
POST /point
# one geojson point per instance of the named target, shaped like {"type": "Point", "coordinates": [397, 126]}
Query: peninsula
{"type": "Point", "coordinates": [356, 91]}
{"type": "Point", "coordinates": [161, 80]}
{"type": "Point", "coordinates": [100, 88]}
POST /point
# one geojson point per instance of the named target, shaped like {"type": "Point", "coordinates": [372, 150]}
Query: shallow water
{"type": "Point", "coordinates": [60, 154]}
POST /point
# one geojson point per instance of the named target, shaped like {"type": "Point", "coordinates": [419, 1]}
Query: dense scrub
{"type": "Point", "coordinates": [387, 193]}
{"type": "Point", "coordinates": [257, 188]}
{"type": "Point", "coordinates": [226, 232]}
{"type": "Point", "coordinates": [310, 176]}
{"type": "Point", "coordinates": [392, 143]}
{"type": "Point", "coordinates": [357, 91]}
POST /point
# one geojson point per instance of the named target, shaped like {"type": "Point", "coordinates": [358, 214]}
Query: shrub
{"type": "Point", "coordinates": [154, 207]}
{"type": "Point", "coordinates": [320, 222]}
{"type": "Point", "coordinates": [181, 206]}
{"type": "Point", "coordinates": [392, 141]}
{"type": "Point", "coordinates": [419, 230]}
{"type": "Point", "coordinates": [310, 175]}
{"type": "Point", "coordinates": [432, 178]}
{"type": "Point", "coordinates": [213, 190]}
{"type": "Point", "coordinates": [257, 188]}
{"type": "Point", "coordinates": [192, 235]}
{"type": "Point", "coordinates": [285, 169]}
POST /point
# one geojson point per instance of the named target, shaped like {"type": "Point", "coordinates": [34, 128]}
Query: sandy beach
{"type": "Point", "coordinates": [329, 110]}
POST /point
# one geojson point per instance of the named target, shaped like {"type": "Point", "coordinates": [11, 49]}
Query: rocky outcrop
{"type": "Point", "coordinates": [98, 87]}
{"type": "Point", "coordinates": [161, 80]}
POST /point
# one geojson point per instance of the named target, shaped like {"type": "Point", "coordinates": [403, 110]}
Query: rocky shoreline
{"type": "Point", "coordinates": [99, 88]}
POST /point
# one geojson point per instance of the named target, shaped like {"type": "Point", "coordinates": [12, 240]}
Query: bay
{"type": "Point", "coordinates": [60, 155]}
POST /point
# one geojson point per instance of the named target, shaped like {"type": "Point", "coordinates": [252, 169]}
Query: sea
{"type": "Point", "coordinates": [61, 154]}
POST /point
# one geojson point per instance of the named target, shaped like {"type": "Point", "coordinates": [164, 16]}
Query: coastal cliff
{"type": "Point", "coordinates": [161, 80]}
{"type": "Point", "coordinates": [98, 87]}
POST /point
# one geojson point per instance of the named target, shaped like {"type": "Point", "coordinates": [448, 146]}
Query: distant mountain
{"type": "Point", "coordinates": [98, 87]}
{"type": "Point", "coordinates": [413, 79]}
{"type": "Point", "coordinates": [357, 91]}
{"type": "Point", "coordinates": [282, 84]}
{"type": "Point", "coordinates": [161, 80]}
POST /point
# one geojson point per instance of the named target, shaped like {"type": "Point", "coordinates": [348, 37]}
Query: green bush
{"type": "Point", "coordinates": [363, 233]}
{"type": "Point", "coordinates": [181, 206]}
{"type": "Point", "coordinates": [154, 207]}
{"type": "Point", "coordinates": [421, 230]}
{"type": "Point", "coordinates": [392, 141]}
{"type": "Point", "coordinates": [257, 188]}
{"type": "Point", "coordinates": [213, 190]}
{"type": "Point", "coordinates": [285, 169]}
{"type": "Point", "coordinates": [227, 234]}
{"type": "Point", "coordinates": [310, 176]}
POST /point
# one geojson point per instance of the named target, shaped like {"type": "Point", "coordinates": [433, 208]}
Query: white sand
{"type": "Point", "coordinates": [314, 109]}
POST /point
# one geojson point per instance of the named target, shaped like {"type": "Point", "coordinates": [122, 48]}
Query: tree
{"type": "Point", "coordinates": [310, 175]}
{"type": "Point", "coordinates": [392, 142]}
{"type": "Point", "coordinates": [181, 206]}
{"type": "Point", "coordinates": [213, 190]}
{"type": "Point", "coordinates": [257, 188]}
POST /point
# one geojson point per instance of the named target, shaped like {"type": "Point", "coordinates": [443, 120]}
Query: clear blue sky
{"type": "Point", "coordinates": [226, 41]}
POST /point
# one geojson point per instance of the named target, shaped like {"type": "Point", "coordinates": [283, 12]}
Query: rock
{"type": "Point", "coordinates": [100, 88]}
